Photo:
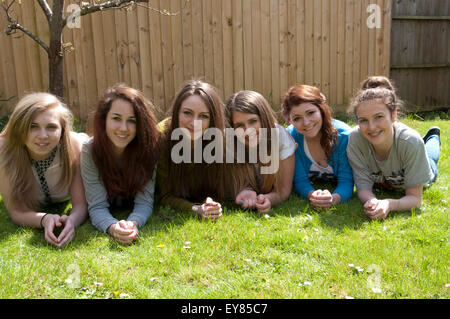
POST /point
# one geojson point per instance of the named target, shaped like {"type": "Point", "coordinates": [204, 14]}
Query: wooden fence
{"type": "Point", "coordinates": [420, 53]}
{"type": "Point", "coordinates": [262, 45]}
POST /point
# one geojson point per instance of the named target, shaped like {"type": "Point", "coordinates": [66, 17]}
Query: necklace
{"type": "Point", "coordinates": [41, 167]}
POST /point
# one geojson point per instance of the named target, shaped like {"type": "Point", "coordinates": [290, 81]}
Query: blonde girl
{"type": "Point", "coordinates": [40, 165]}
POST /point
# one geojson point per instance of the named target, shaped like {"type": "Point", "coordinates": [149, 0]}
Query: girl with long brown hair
{"type": "Point", "coordinates": [322, 144]}
{"type": "Point", "coordinates": [187, 184]}
{"type": "Point", "coordinates": [265, 181]}
{"type": "Point", "coordinates": [119, 162]}
{"type": "Point", "coordinates": [40, 166]}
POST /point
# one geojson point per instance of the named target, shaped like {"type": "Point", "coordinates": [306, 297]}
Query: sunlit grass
{"type": "Point", "coordinates": [295, 252]}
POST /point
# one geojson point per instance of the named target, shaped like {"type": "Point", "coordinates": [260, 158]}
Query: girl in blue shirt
{"type": "Point", "coordinates": [322, 143]}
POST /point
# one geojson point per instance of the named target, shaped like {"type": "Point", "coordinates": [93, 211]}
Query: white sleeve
{"type": "Point", "coordinates": [286, 143]}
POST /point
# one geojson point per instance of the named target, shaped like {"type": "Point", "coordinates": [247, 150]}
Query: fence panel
{"type": "Point", "coordinates": [420, 56]}
{"type": "Point", "coordinates": [262, 45]}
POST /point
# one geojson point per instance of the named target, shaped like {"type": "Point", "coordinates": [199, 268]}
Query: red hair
{"type": "Point", "coordinates": [299, 94]}
{"type": "Point", "coordinates": [140, 156]}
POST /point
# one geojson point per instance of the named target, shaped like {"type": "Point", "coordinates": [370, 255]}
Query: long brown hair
{"type": "Point", "coordinates": [14, 156]}
{"type": "Point", "coordinates": [140, 156]}
{"type": "Point", "coordinates": [252, 102]}
{"type": "Point", "coordinates": [210, 176]}
{"type": "Point", "coordinates": [299, 94]}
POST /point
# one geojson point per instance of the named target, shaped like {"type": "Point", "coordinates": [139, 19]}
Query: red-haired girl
{"type": "Point", "coordinates": [322, 144]}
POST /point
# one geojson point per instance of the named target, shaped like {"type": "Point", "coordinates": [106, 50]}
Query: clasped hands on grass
{"type": "Point", "coordinates": [50, 222]}
{"type": "Point", "coordinates": [125, 232]}
{"type": "Point", "coordinates": [376, 208]}
{"type": "Point", "coordinates": [209, 210]}
{"type": "Point", "coordinates": [248, 198]}
{"type": "Point", "coordinates": [323, 199]}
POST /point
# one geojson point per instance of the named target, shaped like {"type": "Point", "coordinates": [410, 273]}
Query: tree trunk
{"type": "Point", "coordinates": [55, 69]}
{"type": "Point", "coordinates": [55, 54]}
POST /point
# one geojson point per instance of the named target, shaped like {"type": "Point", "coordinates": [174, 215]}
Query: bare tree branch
{"type": "Point", "coordinates": [46, 8]}
{"type": "Point", "coordinates": [117, 4]}
{"type": "Point", "coordinates": [13, 25]}
{"type": "Point", "coordinates": [164, 12]}
{"type": "Point", "coordinates": [90, 8]}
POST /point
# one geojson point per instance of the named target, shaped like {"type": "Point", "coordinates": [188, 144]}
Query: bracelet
{"type": "Point", "coordinates": [43, 219]}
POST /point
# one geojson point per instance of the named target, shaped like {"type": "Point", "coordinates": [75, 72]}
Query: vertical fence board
{"type": "Point", "coordinates": [177, 46]}
{"type": "Point", "coordinates": [111, 61]}
{"type": "Point", "coordinates": [217, 44]}
{"type": "Point", "coordinates": [341, 53]}
{"type": "Point", "coordinates": [144, 54]}
{"type": "Point", "coordinates": [284, 40]}
{"type": "Point", "coordinates": [309, 42]}
{"type": "Point", "coordinates": [166, 45]}
{"type": "Point", "coordinates": [99, 53]}
{"type": "Point", "coordinates": [356, 45]}
{"type": "Point", "coordinates": [256, 45]}
{"type": "Point", "coordinates": [188, 58]}
{"type": "Point", "coordinates": [300, 34]}
{"type": "Point", "coordinates": [317, 52]}
{"type": "Point", "coordinates": [32, 49]}
{"type": "Point", "coordinates": [325, 86]}
{"type": "Point", "coordinates": [248, 50]}
{"type": "Point", "coordinates": [197, 39]}
{"type": "Point", "coordinates": [265, 51]}
{"type": "Point", "coordinates": [156, 56]}
{"type": "Point", "coordinates": [332, 98]}
{"type": "Point", "coordinates": [208, 49]}
{"type": "Point", "coordinates": [238, 44]}
{"type": "Point", "coordinates": [292, 44]}
{"type": "Point", "coordinates": [43, 33]}
{"type": "Point", "coordinates": [133, 49]}
{"type": "Point", "coordinates": [227, 32]}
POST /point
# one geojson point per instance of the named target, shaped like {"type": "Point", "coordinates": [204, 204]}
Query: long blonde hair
{"type": "Point", "coordinates": [14, 157]}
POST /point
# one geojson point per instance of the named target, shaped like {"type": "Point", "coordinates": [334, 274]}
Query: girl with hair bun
{"type": "Point", "coordinates": [40, 166]}
{"type": "Point", "coordinates": [322, 144]}
{"type": "Point", "coordinates": [119, 162]}
{"type": "Point", "coordinates": [388, 153]}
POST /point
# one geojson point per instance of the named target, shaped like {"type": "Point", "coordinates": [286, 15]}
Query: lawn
{"type": "Point", "coordinates": [294, 252]}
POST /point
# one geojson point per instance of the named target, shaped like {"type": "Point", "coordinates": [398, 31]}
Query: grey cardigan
{"type": "Point", "coordinates": [97, 196]}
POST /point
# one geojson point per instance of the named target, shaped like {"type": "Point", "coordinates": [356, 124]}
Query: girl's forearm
{"type": "Point", "coordinates": [406, 203]}
{"type": "Point", "coordinates": [78, 214]}
{"type": "Point", "coordinates": [365, 194]}
{"type": "Point", "coordinates": [274, 198]}
{"type": "Point", "coordinates": [27, 218]}
{"type": "Point", "coordinates": [277, 197]}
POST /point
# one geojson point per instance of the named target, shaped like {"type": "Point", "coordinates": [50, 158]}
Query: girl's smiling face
{"type": "Point", "coordinates": [307, 119]}
{"type": "Point", "coordinates": [193, 109]}
{"type": "Point", "coordinates": [44, 134]}
{"type": "Point", "coordinates": [248, 124]}
{"type": "Point", "coordinates": [120, 124]}
{"type": "Point", "coordinates": [376, 122]}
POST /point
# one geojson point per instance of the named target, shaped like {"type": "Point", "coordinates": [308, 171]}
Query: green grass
{"type": "Point", "coordinates": [295, 253]}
